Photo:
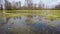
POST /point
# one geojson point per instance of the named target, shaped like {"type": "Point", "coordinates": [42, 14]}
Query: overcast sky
{"type": "Point", "coordinates": [48, 3]}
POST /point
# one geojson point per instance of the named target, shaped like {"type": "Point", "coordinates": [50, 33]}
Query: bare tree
{"type": "Point", "coordinates": [29, 4]}
{"type": "Point", "coordinates": [19, 5]}
{"type": "Point", "coordinates": [16, 5]}
{"type": "Point", "coordinates": [34, 6]}
{"type": "Point", "coordinates": [41, 5]}
{"type": "Point", "coordinates": [1, 5]}
{"type": "Point", "coordinates": [7, 5]}
{"type": "Point", "coordinates": [57, 7]}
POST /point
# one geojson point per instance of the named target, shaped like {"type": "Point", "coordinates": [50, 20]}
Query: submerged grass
{"type": "Point", "coordinates": [50, 14]}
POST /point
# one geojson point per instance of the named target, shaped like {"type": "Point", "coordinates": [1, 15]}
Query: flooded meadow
{"type": "Point", "coordinates": [38, 22]}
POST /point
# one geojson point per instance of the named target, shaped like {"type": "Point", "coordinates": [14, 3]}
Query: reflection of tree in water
{"type": "Point", "coordinates": [28, 20]}
{"type": "Point", "coordinates": [3, 21]}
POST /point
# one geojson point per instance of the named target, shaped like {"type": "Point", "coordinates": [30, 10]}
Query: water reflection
{"type": "Point", "coordinates": [29, 23]}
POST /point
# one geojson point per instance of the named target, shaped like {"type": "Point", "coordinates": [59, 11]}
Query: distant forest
{"type": "Point", "coordinates": [27, 6]}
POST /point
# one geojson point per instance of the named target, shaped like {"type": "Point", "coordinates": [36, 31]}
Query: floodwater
{"type": "Point", "coordinates": [29, 25]}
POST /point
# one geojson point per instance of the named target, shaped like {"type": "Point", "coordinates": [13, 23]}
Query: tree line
{"type": "Point", "coordinates": [27, 6]}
